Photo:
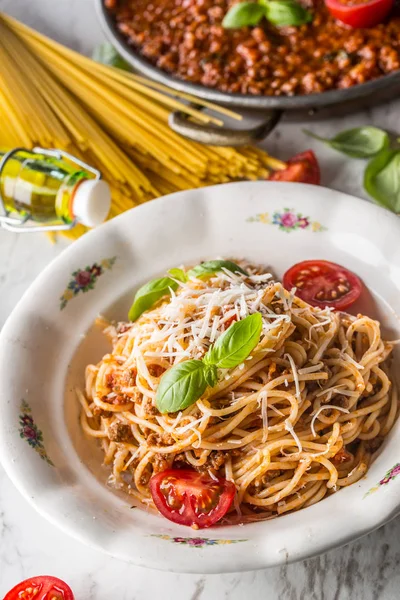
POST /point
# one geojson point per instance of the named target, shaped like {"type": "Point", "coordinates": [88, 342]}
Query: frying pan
{"type": "Point", "coordinates": [271, 106]}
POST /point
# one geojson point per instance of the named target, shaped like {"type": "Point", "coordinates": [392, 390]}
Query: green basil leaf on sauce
{"type": "Point", "coordinates": [178, 274]}
{"type": "Point", "coordinates": [149, 294]}
{"type": "Point", "coordinates": [243, 15]}
{"type": "Point", "coordinates": [181, 386]}
{"type": "Point", "coordinates": [382, 179]}
{"type": "Point", "coordinates": [283, 13]}
{"type": "Point", "coordinates": [360, 142]}
{"type": "Point", "coordinates": [236, 343]}
{"type": "Point", "coordinates": [213, 266]}
{"type": "Point", "coordinates": [106, 54]}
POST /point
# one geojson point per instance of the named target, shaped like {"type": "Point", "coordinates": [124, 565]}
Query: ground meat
{"type": "Point", "coordinates": [148, 407]}
{"type": "Point", "coordinates": [159, 439]}
{"type": "Point", "coordinates": [161, 462]}
{"type": "Point", "coordinates": [120, 432]}
{"type": "Point", "coordinates": [118, 399]}
{"type": "Point", "coordinates": [129, 377]}
{"type": "Point", "coordinates": [156, 370]}
{"type": "Point", "coordinates": [110, 380]}
{"type": "Point", "coordinates": [341, 457]}
{"type": "Point", "coordinates": [185, 38]}
{"type": "Point", "coordinates": [216, 460]}
{"type": "Point", "coordinates": [99, 412]}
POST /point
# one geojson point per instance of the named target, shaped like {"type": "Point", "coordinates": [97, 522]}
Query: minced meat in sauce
{"type": "Point", "coordinates": [186, 38]}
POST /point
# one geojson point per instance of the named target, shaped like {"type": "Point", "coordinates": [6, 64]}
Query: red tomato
{"type": "Point", "coordinates": [43, 587]}
{"type": "Point", "coordinates": [191, 498]}
{"type": "Point", "coordinates": [323, 283]}
{"type": "Point", "coordinates": [360, 13]}
{"type": "Point", "coordinates": [302, 167]}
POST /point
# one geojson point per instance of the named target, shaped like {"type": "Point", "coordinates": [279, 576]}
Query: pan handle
{"type": "Point", "coordinates": [212, 136]}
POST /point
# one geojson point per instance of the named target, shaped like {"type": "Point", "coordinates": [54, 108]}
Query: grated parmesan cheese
{"type": "Point", "coordinates": [295, 375]}
{"type": "Point", "coordinates": [325, 407]}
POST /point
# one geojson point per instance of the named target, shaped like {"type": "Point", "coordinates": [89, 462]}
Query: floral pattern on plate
{"type": "Point", "coordinates": [389, 476]}
{"type": "Point", "coordinates": [30, 432]}
{"type": "Point", "coordinates": [287, 220]}
{"type": "Point", "coordinates": [84, 280]}
{"type": "Point", "coordinates": [197, 542]}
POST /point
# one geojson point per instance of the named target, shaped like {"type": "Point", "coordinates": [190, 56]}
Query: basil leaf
{"type": "Point", "coordinates": [210, 374]}
{"type": "Point", "coordinates": [382, 179]}
{"type": "Point", "coordinates": [243, 14]}
{"type": "Point", "coordinates": [181, 386]}
{"type": "Point", "coordinates": [360, 142]}
{"type": "Point", "coordinates": [107, 55]}
{"type": "Point", "coordinates": [213, 266]}
{"type": "Point", "coordinates": [178, 274]}
{"type": "Point", "coordinates": [236, 343]}
{"type": "Point", "coordinates": [286, 12]}
{"type": "Point", "coordinates": [149, 294]}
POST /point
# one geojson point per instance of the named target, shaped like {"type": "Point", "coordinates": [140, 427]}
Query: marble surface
{"type": "Point", "coordinates": [365, 570]}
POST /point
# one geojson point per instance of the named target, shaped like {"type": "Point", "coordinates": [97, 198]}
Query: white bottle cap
{"type": "Point", "coordinates": [91, 203]}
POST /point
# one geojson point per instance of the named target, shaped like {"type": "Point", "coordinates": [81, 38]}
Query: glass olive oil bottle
{"type": "Point", "coordinates": [48, 189]}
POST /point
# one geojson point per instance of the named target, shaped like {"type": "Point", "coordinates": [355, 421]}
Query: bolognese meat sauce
{"type": "Point", "coordinates": [186, 38]}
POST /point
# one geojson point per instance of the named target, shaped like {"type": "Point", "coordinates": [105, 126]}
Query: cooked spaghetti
{"type": "Point", "coordinates": [298, 420]}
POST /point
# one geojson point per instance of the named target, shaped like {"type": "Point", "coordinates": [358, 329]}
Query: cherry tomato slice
{"type": "Point", "coordinates": [360, 13]}
{"type": "Point", "coordinates": [43, 587]}
{"type": "Point", "coordinates": [322, 283]}
{"type": "Point", "coordinates": [303, 168]}
{"type": "Point", "coordinates": [191, 498]}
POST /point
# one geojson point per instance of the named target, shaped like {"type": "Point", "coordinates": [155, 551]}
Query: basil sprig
{"type": "Point", "coordinates": [149, 294]}
{"type": "Point", "coordinates": [182, 385]}
{"type": "Point", "coordinates": [156, 289]}
{"type": "Point", "coordinates": [286, 12]}
{"type": "Point", "coordinates": [278, 12]}
{"type": "Point", "coordinates": [382, 174]}
{"type": "Point", "coordinates": [382, 179]}
{"type": "Point", "coordinates": [186, 382]}
{"type": "Point", "coordinates": [243, 14]}
{"type": "Point", "coordinates": [236, 343]}
{"type": "Point", "coordinates": [213, 266]}
{"type": "Point", "coordinates": [360, 142]}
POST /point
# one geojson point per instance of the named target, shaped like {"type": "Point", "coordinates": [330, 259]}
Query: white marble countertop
{"type": "Point", "coordinates": [365, 570]}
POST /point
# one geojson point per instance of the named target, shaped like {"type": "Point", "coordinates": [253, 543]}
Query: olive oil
{"type": "Point", "coordinates": [46, 189]}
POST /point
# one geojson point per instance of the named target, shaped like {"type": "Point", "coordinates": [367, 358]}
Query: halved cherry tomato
{"type": "Point", "coordinates": [191, 498]}
{"type": "Point", "coordinates": [323, 283]}
{"type": "Point", "coordinates": [43, 587]}
{"type": "Point", "coordinates": [303, 168]}
{"type": "Point", "coordinates": [360, 13]}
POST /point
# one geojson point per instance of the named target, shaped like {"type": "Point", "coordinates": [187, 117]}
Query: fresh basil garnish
{"type": "Point", "coordinates": [243, 14]}
{"type": "Point", "coordinates": [156, 289]}
{"type": "Point", "coordinates": [149, 294]}
{"type": "Point", "coordinates": [382, 179]}
{"type": "Point", "coordinates": [210, 374]}
{"type": "Point", "coordinates": [213, 266]}
{"type": "Point", "coordinates": [284, 13]}
{"type": "Point", "coordinates": [107, 55]}
{"type": "Point", "coordinates": [236, 343]}
{"type": "Point", "coordinates": [178, 274]}
{"type": "Point", "coordinates": [181, 386]}
{"type": "Point", "coordinates": [278, 12]}
{"type": "Point", "coordinates": [360, 142]}
{"type": "Point", "coordinates": [186, 382]}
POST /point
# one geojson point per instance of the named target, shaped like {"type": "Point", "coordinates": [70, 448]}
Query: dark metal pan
{"type": "Point", "coordinates": [271, 107]}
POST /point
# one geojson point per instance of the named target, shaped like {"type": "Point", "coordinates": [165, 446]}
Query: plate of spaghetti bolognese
{"type": "Point", "coordinates": [215, 370]}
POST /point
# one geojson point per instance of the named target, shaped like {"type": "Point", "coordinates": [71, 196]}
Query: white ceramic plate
{"type": "Point", "coordinates": [48, 340]}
